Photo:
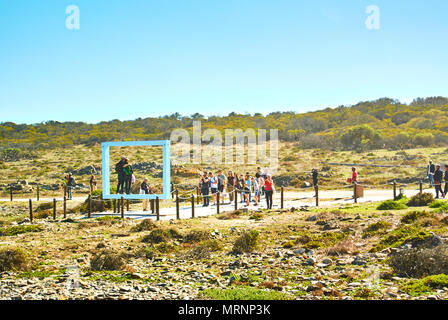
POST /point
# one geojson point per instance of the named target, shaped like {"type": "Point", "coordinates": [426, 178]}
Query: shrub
{"type": "Point", "coordinates": [391, 205]}
{"type": "Point", "coordinates": [376, 228]}
{"type": "Point", "coordinates": [161, 235]}
{"type": "Point", "coordinates": [416, 263]}
{"type": "Point", "coordinates": [145, 225]}
{"type": "Point", "coordinates": [440, 206]}
{"type": "Point", "coordinates": [341, 248]}
{"type": "Point", "coordinates": [107, 260]}
{"type": "Point", "coordinates": [420, 200]}
{"type": "Point", "coordinates": [256, 216]}
{"type": "Point", "coordinates": [15, 230]}
{"type": "Point", "coordinates": [196, 236]}
{"type": "Point", "coordinates": [413, 216]}
{"type": "Point", "coordinates": [13, 259]}
{"type": "Point", "coordinates": [247, 242]}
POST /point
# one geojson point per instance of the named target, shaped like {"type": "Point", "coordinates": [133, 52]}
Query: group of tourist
{"type": "Point", "coordinates": [250, 188]}
{"type": "Point", "coordinates": [437, 177]}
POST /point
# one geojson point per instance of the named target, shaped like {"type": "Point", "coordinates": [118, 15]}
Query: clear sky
{"type": "Point", "coordinates": [141, 58]}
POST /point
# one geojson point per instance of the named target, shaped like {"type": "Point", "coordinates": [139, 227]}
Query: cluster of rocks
{"type": "Point", "coordinates": [21, 185]}
{"type": "Point", "coordinates": [88, 170]}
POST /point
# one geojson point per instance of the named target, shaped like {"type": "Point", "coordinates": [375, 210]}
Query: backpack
{"type": "Point", "coordinates": [127, 170]}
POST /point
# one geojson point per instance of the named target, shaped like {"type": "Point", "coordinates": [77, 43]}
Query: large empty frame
{"type": "Point", "coordinates": [166, 169]}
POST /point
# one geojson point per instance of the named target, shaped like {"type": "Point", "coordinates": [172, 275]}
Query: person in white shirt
{"type": "Point", "coordinates": [213, 186]}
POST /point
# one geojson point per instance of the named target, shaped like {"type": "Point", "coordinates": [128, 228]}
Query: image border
{"type": "Point", "coordinates": [105, 146]}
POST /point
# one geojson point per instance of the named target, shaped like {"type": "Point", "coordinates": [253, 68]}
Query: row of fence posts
{"type": "Point", "coordinates": [118, 206]}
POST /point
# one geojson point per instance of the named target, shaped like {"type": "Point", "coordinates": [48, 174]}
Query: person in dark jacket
{"type": "Point", "coordinates": [127, 171]}
{"type": "Point", "coordinates": [446, 181]}
{"type": "Point", "coordinates": [120, 175]}
{"type": "Point", "coordinates": [70, 184]}
{"type": "Point", "coordinates": [430, 173]}
{"type": "Point", "coordinates": [205, 187]}
{"type": "Point", "coordinates": [438, 178]}
{"type": "Point", "coordinates": [314, 174]}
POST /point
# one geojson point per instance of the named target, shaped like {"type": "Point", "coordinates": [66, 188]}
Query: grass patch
{"type": "Point", "coordinates": [413, 216]}
{"type": "Point", "coordinates": [376, 228]}
{"type": "Point", "coordinates": [399, 236]}
{"type": "Point", "coordinates": [421, 200]}
{"type": "Point", "coordinates": [107, 260]}
{"type": "Point", "coordinates": [145, 225]}
{"type": "Point", "coordinates": [161, 235]}
{"type": "Point", "coordinates": [391, 205]}
{"type": "Point", "coordinates": [244, 293]}
{"type": "Point", "coordinates": [426, 285]}
{"type": "Point", "coordinates": [15, 230]}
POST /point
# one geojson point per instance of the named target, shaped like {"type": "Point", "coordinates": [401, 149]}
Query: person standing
{"type": "Point", "coordinates": [354, 175]}
{"type": "Point", "coordinates": [146, 190]}
{"type": "Point", "coordinates": [205, 185]}
{"type": "Point", "coordinates": [71, 183]}
{"type": "Point", "coordinates": [213, 186]}
{"type": "Point", "coordinates": [127, 170]}
{"type": "Point", "coordinates": [92, 182]}
{"type": "Point", "coordinates": [314, 173]}
{"type": "Point", "coordinates": [257, 190]}
{"type": "Point", "coordinates": [221, 184]}
{"type": "Point", "coordinates": [269, 190]}
{"type": "Point", "coordinates": [240, 186]}
{"type": "Point", "coordinates": [430, 173]}
{"type": "Point", "coordinates": [445, 191]}
{"type": "Point", "coordinates": [247, 188]}
{"type": "Point", "coordinates": [231, 184]}
{"type": "Point", "coordinates": [438, 178]}
{"type": "Point", "coordinates": [120, 174]}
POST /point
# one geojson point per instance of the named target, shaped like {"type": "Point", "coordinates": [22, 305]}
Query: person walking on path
{"type": "Point", "coordinates": [92, 183]}
{"type": "Point", "coordinates": [221, 184]}
{"type": "Point", "coordinates": [269, 190]}
{"type": "Point", "coordinates": [314, 174]}
{"type": "Point", "coordinates": [213, 186]}
{"type": "Point", "coordinates": [231, 184]}
{"type": "Point", "coordinates": [120, 174]}
{"type": "Point", "coordinates": [257, 190]}
{"type": "Point", "coordinates": [144, 187]}
{"type": "Point", "coordinates": [260, 181]}
{"type": "Point", "coordinates": [205, 185]}
{"type": "Point", "coordinates": [70, 184]}
{"type": "Point", "coordinates": [445, 191]}
{"type": "Point", "coordinates": [430, 173]}
{"type": "Point", "coordinates": [240, 186]}
{"type": "Point", "coordinates": [438, 178]}
{"type": "Point", "coordinates": [127, 170]}
{"type": "Point", "coordinates": [247, 188]}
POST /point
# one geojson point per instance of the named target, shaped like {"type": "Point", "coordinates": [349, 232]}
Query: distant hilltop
{"type": "Point", "coordinates": [382, 123]}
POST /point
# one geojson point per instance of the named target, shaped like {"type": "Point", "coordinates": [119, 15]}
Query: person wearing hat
{"type": "Point", "coordinates": [430, 173]}
{"type": "Point", "coordinates": [145, 189]}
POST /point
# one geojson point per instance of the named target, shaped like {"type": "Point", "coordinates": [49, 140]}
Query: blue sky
{"type": "Point", "coordinates": [142, 58]}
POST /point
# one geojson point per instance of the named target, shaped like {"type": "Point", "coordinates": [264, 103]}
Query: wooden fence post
{"type": "Point", "coordinates": [177, 205]}
{"type": "Point", "coordinates": [281, 198]}
{"type": "Point", "coordinates": [115, 205]}
{"type": "Point", "coordinates": [157, 209]}
{"type": "Point", "coordinates": [197, 195]}
{"type": "Point", "coordinates": [127, 204]}
{"type": "Point", "coordinates": [355, 194]}
{"type": "Point", "coordinates": [236, 199]}
{"type": "Point", "coordinates": [37, 195]}
{"type": "Point", "coordinates": [65, 207]}
{"type": "Point", "coordinates": [421, 187]}
{"type": "Point", "coordinates": [192, 205]}
{"type": "Point", "coordinates": [31, 210]}
{"type": "Point", "coordinates": [54, 209]}
{"type": "Point", "coordinates": [89, 212]}
{"type": "Point", "coordinates": [10, 192]}
{"type": "Point", "coordinates": [316, 187]}
{"type": "Point", "coordinates": [153, 210]}
{"type": "Point", "coordinates": [122, 207]}
{"type": "Point", "coordinates": [217, 202]}
{"type": "Point", "coordinates": [395, 189]}
{"type": "Point", "coordinates": [172, 189]}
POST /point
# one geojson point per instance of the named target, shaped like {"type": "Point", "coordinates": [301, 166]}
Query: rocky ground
{"type": "Point", "coordinates": [333, 253]}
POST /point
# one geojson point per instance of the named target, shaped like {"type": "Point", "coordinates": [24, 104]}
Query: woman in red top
{"type": "Point", "coordinates": [269, 190]}
{"type": "Point", "coordinates": [354, 175]}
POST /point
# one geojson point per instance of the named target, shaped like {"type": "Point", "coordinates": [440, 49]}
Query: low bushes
{"type": "Point", "coordinates": [400, 236]}
{"type": "Point", "coordinates": [247, 242]}
{"type": "Point", "coordinates": [426, 285]}
{"type": "Point", "coordinates": [416, 263]}
{"type": "Point", "coordinates": [13, 259]}
{"type": "Point", "coordinates": [15, 230]}
{"type": "Point", "coordinates": [379, 227]}
{"type": "Point", "coordinates": [145, 225]}
{"type": "Point", "coordinates": [161, 235]}
{"type": "Point", "coordinates": [421, 200]}
{"type": "Point", "coordinates": [108, 260]}
{"type": "Point", "coordinates": [391, 205]}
